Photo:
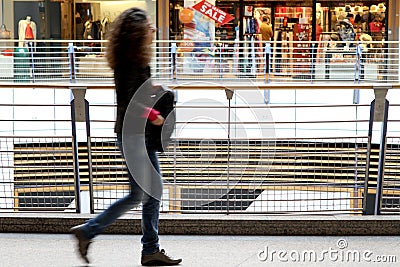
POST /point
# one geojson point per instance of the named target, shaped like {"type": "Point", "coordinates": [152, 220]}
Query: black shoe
{"type": "Point", "coordinates": [83, 242]}
{"type": "Point", "coordinates": [159, 259]}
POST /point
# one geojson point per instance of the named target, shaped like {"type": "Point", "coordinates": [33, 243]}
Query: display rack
{"type": "Point", "coordinates": [226, 31]}
{"type": "Point", "coordinates": [301, 48]}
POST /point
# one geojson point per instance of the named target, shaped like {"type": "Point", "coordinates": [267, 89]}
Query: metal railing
{"type": "Point", "coordinates": [232, 150]}
{"type": "Point", "coordinates": [182, 61]}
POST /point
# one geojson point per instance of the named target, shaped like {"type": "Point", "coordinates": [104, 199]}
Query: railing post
{"type": "Point", "coordinates": [358, 64]}
{"type": "Point", "coordinates": [31, 53]}
{"type": "Point", "coordinates": [236, 51]}
{"type": "Point", "coordinates": [72, 67]}
{"type": "Point", "coordinates": [313, 57]}
{"type": "Point", "coordinates": [229, 95]}
{"type": "Point", "coordinates": [253, 70]}
{"type": "Point", "coordinates": [378, 113]}
{"type": "Point", "coordinates": [357, 73]}
{"type": "Point", "coordinates": [173, 61]}
{"type": "Point", "coordinates": [89, 151]}
{"type": "Point", "coordinates": [219, 49]}
{"type": "Point", "coordinates": [80, 113]}
{"type": "Point", "coordinates": [267, 68]}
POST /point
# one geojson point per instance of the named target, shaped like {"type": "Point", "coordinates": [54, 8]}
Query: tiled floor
{"type": "Point", "coordinates": [124, 250]}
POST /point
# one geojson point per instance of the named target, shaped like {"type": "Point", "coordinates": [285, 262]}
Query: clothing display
{"type": "Point", "coordinates": [105, 27]}
{"type": "Point", "coordinates": [375, 26]}
{"type": "Point", "coordinates": [92, 30]}
{"type": "Point", "coordinates": [301, 47]}
{"type": "Point", "coordinates": [80, 29]}
{"type": "Point", "coordinates": [26, 31]}
{"type": "Point", "coordinates": [250, 25]}
{"type": "Point", "coordinates": [346, 30]}
{"type": "Point", "coordinates": [284, 36]}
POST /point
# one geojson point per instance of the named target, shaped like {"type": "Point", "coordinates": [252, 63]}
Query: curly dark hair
{"type": "Point", "coordinates": [127, 39]}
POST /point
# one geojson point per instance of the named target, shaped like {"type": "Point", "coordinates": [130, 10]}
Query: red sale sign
{"type": "Point", "coordinates": [213, 12]}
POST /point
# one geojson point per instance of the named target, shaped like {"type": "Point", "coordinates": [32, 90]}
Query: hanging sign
{"type": "Point", "coordinates": [213, 12]}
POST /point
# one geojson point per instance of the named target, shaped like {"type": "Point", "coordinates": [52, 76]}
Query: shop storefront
{"type": "Point", "coordinates": [31, 22]}
{"type": "Point", "coordinates": [290, 25]}
{"type": "Point", "coordinates": [315, 19]}
{"type": "Point", "coordinates": [67, 20]}
{"type": "Point", "coordinates": [295, 20]}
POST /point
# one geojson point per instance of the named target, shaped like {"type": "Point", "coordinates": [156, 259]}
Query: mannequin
{"type": "Point", "coordinates": [79, 26]}
{"type": "Point", "coordinates": [26, 31]}
{"type": "Point", "coordinates": [88, 30]}
{"type": "Point", "coordinates": [105, 27]}
{"type": "Point", "coordinates": [26, 35]}
{"type": "Point", "coordinates": [346, 31]}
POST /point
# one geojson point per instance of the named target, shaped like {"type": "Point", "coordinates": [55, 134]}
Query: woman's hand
{"type": "Point", "coordinates": [153, 116]}
{"type": "Point", "coordinates": [158, 121]}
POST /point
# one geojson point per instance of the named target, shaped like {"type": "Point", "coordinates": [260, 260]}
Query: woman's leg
{"type": "Point", "coordinates": [151, 254]}
{"type": "Point", "coordinates": [97, 225]}
{"type": "Point", "coordinates": [86, 232]}
{"type": "Point", "coordinates": [150, 215]}
{"type": "Point", "coordinates": [151, 208]}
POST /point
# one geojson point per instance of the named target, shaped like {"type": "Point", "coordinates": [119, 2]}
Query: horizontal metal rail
{"type": "Point", "coordinates": [185, 61]}
{"type": "Point", "coordinates": [209, 86]}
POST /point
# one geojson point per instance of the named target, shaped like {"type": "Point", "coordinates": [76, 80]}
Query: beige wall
{"type": "Point", "coordinates": [8, 16]}
{"type": "Point", "coordinates": [1, 12]}
{"type": "Point", "coordinates": [394, 20]}
{"type": "Point", "coordinates": [114, 8]}
{"type": "Point", "coordinates": [163, 20]}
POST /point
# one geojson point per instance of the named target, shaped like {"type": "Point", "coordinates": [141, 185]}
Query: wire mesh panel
{"type": "Point", "coordinates": [6, 174]}
{"type": "Point", "coordinates": [220, 61]}
{"type": "Point", "coordinates": [391, 184]}
{"type": "Point", "coordinates": [6, 60]}
{"type": "Point", "coordinates": [37, 61]}
{"type": "Point", "coordinates": [382, 62]}
{"type": "Point", "coordinates": [185, 60]}
{"type": "Point", "coordinates": [91, 64]}
{"type": "Point", "coordinates": [36, 174]}
{"type": "Point", "coordinates": [252, 170]}
{"type": "Point", "coordinates": [49, 63]}
{"type": "Point", "coordinates": [163, 64]}
{"type": "Point", "coordinates": [110, 179]}
{"type": "Point", "coordinates": [254, 176]}
{"type": "Point", "coordinates": [266, 176]}
{"type": "Point", "coordinates": [110, 176]}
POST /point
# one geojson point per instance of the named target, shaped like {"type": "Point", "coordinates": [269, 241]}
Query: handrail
{"type": "Point", "coordinates": [198, 41]}
{"type": "Point", "coordinates": [211, 86]}
{"type": "Point", "coordinates": [177, 61]}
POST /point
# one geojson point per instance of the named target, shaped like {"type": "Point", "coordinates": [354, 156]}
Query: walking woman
{"type": "Point", "coordinates": [129, 54]}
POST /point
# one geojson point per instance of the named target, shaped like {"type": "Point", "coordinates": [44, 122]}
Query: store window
{"type": "Point", "coordinates": [224, 32]}
{"type": "Point", "coordinates": [352, 21]}
{"type": "Point", "coordinates": [348, 19]}
{"type": "Point", "coordinates": [175, 24]}
{"type": "Point", "coordinates": [92, 19]}
{"type": "Point", "coordinates": [228, 31]}
{"type": "Point", "coordinates": [292, 23]}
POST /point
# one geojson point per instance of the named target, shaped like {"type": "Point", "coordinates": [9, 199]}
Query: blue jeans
{"type": "Point", "coordinates": [151, 205]}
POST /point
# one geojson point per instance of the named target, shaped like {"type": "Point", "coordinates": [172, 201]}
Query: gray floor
{"type": "Point", "coordinates": [124, 250]}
